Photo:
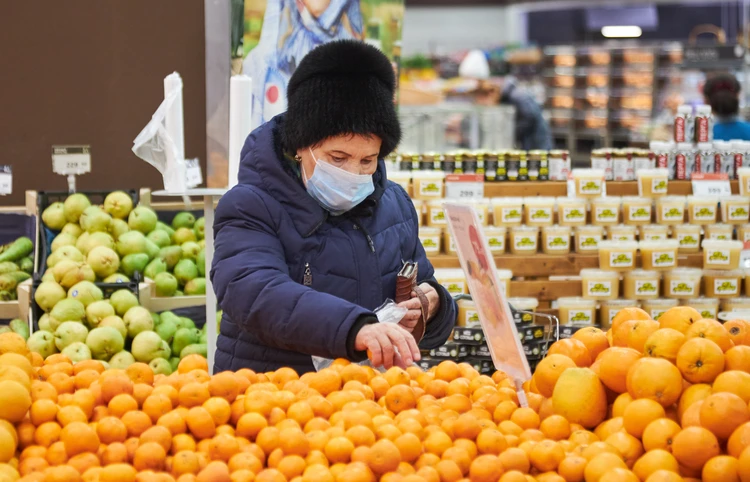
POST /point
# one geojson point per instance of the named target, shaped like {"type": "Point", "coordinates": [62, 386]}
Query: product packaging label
{"type": "Point", "coordinates": [431, 244]}
{"type": "Point", "coordinates": [683, 289]}
{"type": "Point", "coordinates": [707, 312]}
{"type": "Point", "coordinates": [590, 187]}
{"type": "Point", "coordinates": [672, 213]}
{"type": "Point", "coordinates": [659, 185]}
{"type": "Point", "coordinates": [726, 286]}
{"type": "Point", "coordinates": [679, 129]}
{"type": "Point", "coordinates": [653, 237]}
{"type": "Point", "coordinates": [437, 215]}
{"type": "Point", "coordinates": [497, 243]}
{"type": "Point", "coordinates": [624, 237]}
{"type": "Point", "coordinates": [574, 214]}
{"type": "Point", "coordinates": [511, 215]}
{"type": "Point", "coordinates": [720, 236]}
{"type": "Point", "coordinates": [605, 215]}
{"type": "Point", "coordinates": [687, 240]}
{"type": "Point", "coordinates": [738, 213]}
{"type": "Point", "coordinates": [612, 314]}
{"type": "Point", "coordinates": [662, 160]}
{"type": "Point", "coordinates": [647, 287]}
{"type": "Point", "coordinates": [523, 242]}
{"type": "Point", "coordinates": [621, 260]}
{"type": "Point", "coordinates": [454, 287]}
{"type": "Point", "coordinates": [589, 242]}
{"type": "Point", "coordinates": [580, 317]}
{"type": "Point", "coordinates": [715, 257]}
{"type": "Point", "coordinates": [680, 166]}
{"type": "Point", "coordinates": [663, 259]}
{"type": "Point", "coordinates": [640, 213]}
{"type": "Point", "coordinates": [540, 215]}
{"type": "Point", "coordinates": [599, 288]}
{"type": "Point", "coordinates": [701, 129]}
{"type": "Point", "coordinates": [656, 313]}
{"type": "Point", "coordinates": [558, 242]}
{"type": "Point", "coordinates": [472, 319]}
{"type": "Point", "coordinates": [704, 213]}
{"type": "Point", "coordinates": [430, 188]}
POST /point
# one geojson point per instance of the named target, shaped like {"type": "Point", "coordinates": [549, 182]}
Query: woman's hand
{"type": "Point", "coordinates": [411, 318]}
{"type": "Point", "coordinates": [387, 344]}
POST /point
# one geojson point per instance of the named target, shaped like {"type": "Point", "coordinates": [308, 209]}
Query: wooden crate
{"type": "Point", "coordinates": [147, 297]}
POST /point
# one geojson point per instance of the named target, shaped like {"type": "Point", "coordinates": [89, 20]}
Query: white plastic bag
{"type": "Point", "coordinates": [388, 312]}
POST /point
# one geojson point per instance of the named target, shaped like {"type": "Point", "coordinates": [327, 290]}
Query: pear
{"type": "Point", "coordinates": [118, 204]}
{"type": "Point", "coordinates": [74, 206]}
{"type": "Point", "coordinates": [53, 216]}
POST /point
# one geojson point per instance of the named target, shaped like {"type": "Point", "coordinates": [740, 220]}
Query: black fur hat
{"type": "Point", "coordinates": [341, 87]}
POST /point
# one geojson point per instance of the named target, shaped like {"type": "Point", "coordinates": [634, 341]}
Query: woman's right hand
{"type": "Point", "coordinates": [382, 340]}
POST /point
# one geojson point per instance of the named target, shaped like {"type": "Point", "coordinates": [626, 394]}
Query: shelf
{"type": "Point", "coordinates": [560, 188]}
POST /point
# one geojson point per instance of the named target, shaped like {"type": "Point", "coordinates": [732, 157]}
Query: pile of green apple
{"type": "Point", "coordinates": [112, 242]}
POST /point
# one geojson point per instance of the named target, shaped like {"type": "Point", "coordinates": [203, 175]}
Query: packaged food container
{"type": "Point", "coordinates": [507, 211]}
{"type": "Point", "coordinates": [467, 314]}
{"type": "Point", "coordinates": [428, 184]}
{"type": "Point", "coordinates": [605, 211]}
{"type": "Point", "coordinates": [653, 232]}
{"type": "Point", "coordinates": [598, 284]}
{"type": "Point", "coordinates": [453, 279]}
{"type": "Point", "coordinates": [576, 311]}
{"type": "Point", "coordinates": [602, 159]}
{"type": "Point", "coordinates": [689, 237]}
{"type": "Point", "coordinates": [448, 245]}
{"type": "Point", "coordinates": [419, 208]}
{"type": "Point", "coordinates": [660, 254]}
{"type": "Point", "coordinates": [707, 307]}
{"type": "Point", "coordinates": [640, 284]}
{"type": "Point", "coordinates": [653, 182]}
{"type": "Point", "coordinates": [571, 211]}
{"type": "Point", "coordinates": [670, 210]}
{"type": "Point", "coordinates": [495, 236]}
{"type": "Point", "coordinates": [435, 214]}
{"type": "Point", "coordinates": [610, 309]}
{"type": "Point", "coordinates": [524, 239]}
{"type": "Point", "coordinates": [517, 166]}
{"type": "Point", "coordinates": [702, 209]}
{"type": "Point", "coordinates": [636, 210]}
{"type": "Point", "coordinates": [743, 174]}
{"type": "Point", "coordinates": [402, 178]}
{"type": "Point", "coordinates": [743, 233]}
{"type": "Point", "coordinates": [431, 239]}
{"type": "Point", "coordinates": [617, 255]}
{"type": "Point", "coordinates": [556, 239]}
{"type": "Point", "coordinates": [587, 238]}
{"type": "Point", "coordinates": [718, 254]}
{"type": "Point", "coordinates": [722, 232]}
{"type": "Point", "coordinates": [735, 304]}
{"type": "Point", "coordinates": [503, 277]}
{"type": "Point", "coordinates": [539, 211]}
{"type": "Point", "coordinates": [559, 165]}
{"type": "Point", "coordinates": [656, 308]}
{"type": "Point", "coordinates": [682, 283]}
{"type": "Point", "coordinates": [722, 284]}
{"type": "Point", "coordinates": [588, 182]}
{"type": "Point", "coordinates": [481, 206]}
{"type": "Point", "coordinates": [524, 304]}
{"type": "Point", "coordinates": [735, 209]}
{"type": "Point", "coordinates": [622, 232]}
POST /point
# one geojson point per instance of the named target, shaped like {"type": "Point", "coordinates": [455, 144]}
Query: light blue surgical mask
{"type": "Point", "coordinates": [335, 189]}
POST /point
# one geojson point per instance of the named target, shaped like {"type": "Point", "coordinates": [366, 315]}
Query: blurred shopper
{"type": "Point", "coordinates": [723, 93]}
{"type": "Point", "coordinates": [531, 129]}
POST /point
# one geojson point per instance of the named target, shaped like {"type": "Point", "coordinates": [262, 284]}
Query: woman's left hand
{"type": "Point", "coordinates": [410, 320]}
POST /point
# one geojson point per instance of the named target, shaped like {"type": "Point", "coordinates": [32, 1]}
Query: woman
{"type": "Point", "coordinates": [723, 93]}
{"type": "Point", "coordinates": [311, 240]}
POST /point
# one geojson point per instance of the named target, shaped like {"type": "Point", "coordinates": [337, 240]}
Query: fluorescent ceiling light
{"type": "Point", "coordinates": [621, 31]}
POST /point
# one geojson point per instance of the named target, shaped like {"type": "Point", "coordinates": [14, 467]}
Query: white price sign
{"type": "Point", "coordinates": [6, 180]}
{"type": "Point", "coordinates": [711, 184]}
{"type": "Point", "coordinates": [193, 172]}
{"type": "Point", "coordinates": [71, 160]}
{"type": "Point", "coordinates": [464, 186]}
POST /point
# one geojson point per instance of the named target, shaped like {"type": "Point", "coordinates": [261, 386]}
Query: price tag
{"type": "Point", "coordinates": [67, 160]}
{"type": "Point", "coordinates": [193, 172]}
{"type": "Point", "coordinates": [6, 180]}
{"type": "Point", "coordinates": [464, 186]}
{"type": "Point", "coordinates": [711, 184]}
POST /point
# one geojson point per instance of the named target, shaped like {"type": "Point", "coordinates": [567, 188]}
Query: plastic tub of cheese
{"type": "Point", "coordinates": [571, 211]}
{"type": "Point", "coordinates": [735, 304]}
{"type": "Point", "coordinates": [539, 211]}
{"type": "Point", "coordinates": [453, 279]}
{"type": "Point", "coordinates": [653, 232]}
{"type": "Point", "coordinates": [419, 208]}
{"type": "Point", "coordinates": [428, 184]}
{"type": "Point", "coordinates": [524, 304]}
{"type": "Point", "coordinates": [722, 232]}
{"type": "Point", "coordinates": [702, 209]}
{"type": "Point", "coordinates": [722, 284]}
{"type": "Point", "coordinates": [641, 284]}
{"type": "Point", "coordinates": [707, 307]}
{"type": "Point", "coordinates": [524, 239]}
{"type": "Point", "coordinates": [503, 277]}
{"type": "Point", "coordinates": [598, 284]}
{"type": "Point", "coordinates": [670, 210]}
{"type": "Point", "coordinates": [636, 211]}
{"type": "Point", "coordinates": [467, 314]}
{"type": "Point", "coordinates": [605, 211]}
{"type": "Point", "coordinates": [507, 211]}
{"type": "Point", "coordinates": [719, 254]}
{"type": "Point", "coordinates": [576, 311]}
{"type": "Point", "coordinates": [682, 283]}
{"type": "Point", "coordinates": [689, 237]}
{"type": "Point", "coordinates": [402, 178]}
{"type": "Point", "coordinates": [587, 238]}
{"type": "Point", "coordinates": [735, 209]}
{"type": "Point", "coordinates": [659, 254]}
{"type": "Point", "coordinates": [622, 232]}
{"type": "Point", "coordinates": [617, 255]}
{"type": "Point", "coordinates": [435, 214]}
{"type": "Point", "coordinates": [495, 236]}
{"type": "Point", "coordinates": [556, 239]}
{"type": "Point", "coordinates": [656, 308]}
{"type": "Point", "coordinates": [588, 183]}
{"type": "Point", "coordinates": [431, 239]}
{"type": "Point", "coordinates": [610, 309]}
{"type": "Point", "coordinates": [448, 245]}
{"type": "Point", "coordinates": [652, 182]}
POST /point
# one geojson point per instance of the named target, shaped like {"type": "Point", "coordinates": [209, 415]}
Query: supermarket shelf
{"type": "Point", "coordinates": [560, 188]}
{"type": "Point", "coordinates": [545, 290]}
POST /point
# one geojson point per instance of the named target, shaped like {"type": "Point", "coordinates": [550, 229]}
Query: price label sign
{"type": "Point", "coordinates": [193, 173]}
{"type": "Point", "coordinates": [71, 160]}
{"type": "Point", "coordinates": [464, 186]}
{"type": "Point", "coordinates": [711, 184]}
{"type": "Point", "coordinates": [6, 180]}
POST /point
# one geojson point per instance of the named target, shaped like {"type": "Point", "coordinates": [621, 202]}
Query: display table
{"type": "Point", "coordinates": [209, 197]}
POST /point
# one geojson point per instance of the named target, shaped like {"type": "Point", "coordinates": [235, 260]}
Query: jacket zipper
{"type": "Point", "coordinates": [307, 277]}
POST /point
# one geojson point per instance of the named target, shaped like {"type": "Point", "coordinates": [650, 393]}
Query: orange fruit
{"type": "Point", "coordinates": [399, 398]}
{"type": "Point", "coordinates": [738, 331]}
{"type": "Point", "coordinates": [710, 330]}
{"type": "Point", "coordinates": [626, 314]}
{"type": "Point", "coordinates": [620, 334]}
{"type": "Point", "coordinates": [114, 384]}
{"type": "Point", "coordinates": [555, 427]}
{"type": "Point", "coordinates": [722, 413]}
{"type": "Point", "coordinates": [15, 399]}
{"type": "Point", "coordinates": [739, 439]}
{"type": "Point", "coordinates": [660, 434]}
{"type": "Point", "coordinates": [721, 469]}
{"type": "Point", "coordinates": [594, 339]}
{"type": "Point", "coordinates": [700, 360]}
{"type": "Point", "coordinates": [664, 476]}
{"type": "Point", "coordinates": [549, 370]}
{"type": "Point", "coordinates": [573, 349]}
{"type": "Point", "coordinates": [639, 414]}
{"type": "Point", "coordinates": [580, 397]}
{"type": "Point", "coordinates": [614, 364]}
{"type": "Point", "coordinates": [653, 461]}
{"type": "Point", "coordinates": [664, 343]}
{"type": "Point", "coordinates": [339, 450]}
{"type": "Point", "coordinates": [655, 378]}
{"type": "Point", "coordinates": [149, 456]}
{"type": "Point", "coordinates": [79, 437]}
{"type": "Point", "coordinates": [601, 464]}
{"type": "Point", "coordinates": [111, 429]}
{"type": "Point", "coordinates": [485, 468]}
{"type": "Point", "coordinates": [491, 441]}
{"type": "Point", "coordinates": [733, 381]}
{"type": "Point", "coordinates": [694, 446]}
{"type": "Point", "coordinates": [640, 332]}
{"type": "Point", "coordinates": [384, 456]}
{"type": "Point", "coordinates": [736, 358]}
{"type": "Point", "coordinates": [628, 446]}
{"type": "Point", "coordinates": [679, 318]}
{"type": "Point", "coordinates": [192, 362]}
{"type": "Point", "coordinates": [691, 395]}
{"type": "Point", "coordinates": [743, 468]}
{"type": "Point", "coordinates": [546, 455]}
{"type": "Point", "coordinates": [620, 403]}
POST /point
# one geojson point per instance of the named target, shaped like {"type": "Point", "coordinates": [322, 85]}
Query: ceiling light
{"type": "Point", "coordinates": [621, 31]}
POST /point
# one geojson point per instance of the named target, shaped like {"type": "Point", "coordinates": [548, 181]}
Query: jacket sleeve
{"type": "Point", "coordinates": [441, 325]}
{"type": "Point", "coordinates": [254, 287]}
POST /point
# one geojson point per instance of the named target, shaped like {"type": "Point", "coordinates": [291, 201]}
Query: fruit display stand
{"type": "Point", "coordinates": [157, 304]}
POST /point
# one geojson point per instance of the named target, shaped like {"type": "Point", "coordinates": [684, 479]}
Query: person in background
{"type": "Point", "coordinates": [531, 128]}
{"type": "Point", "coordinates": [722, 92]}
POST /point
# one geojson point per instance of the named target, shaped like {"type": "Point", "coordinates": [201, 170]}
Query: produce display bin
{"type": "Point", "coordinates": [158, 304]}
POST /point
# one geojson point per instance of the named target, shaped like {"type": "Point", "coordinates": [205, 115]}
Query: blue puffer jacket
{"type": "Point", "coordinates": [271, 238]}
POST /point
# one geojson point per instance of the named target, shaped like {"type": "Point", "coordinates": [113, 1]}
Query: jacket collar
{"type": "Point", "coordinates": [263, 164]}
